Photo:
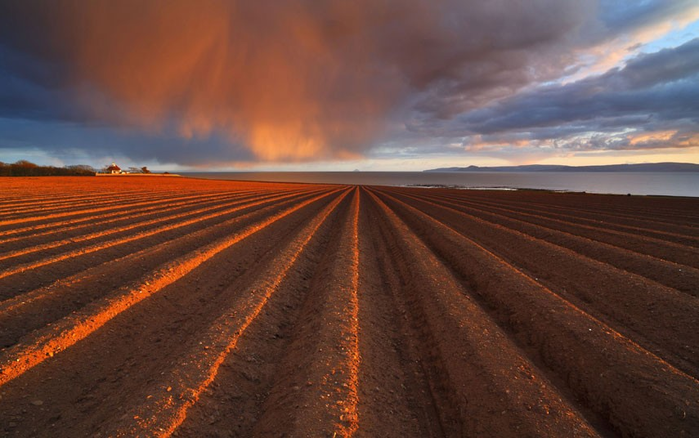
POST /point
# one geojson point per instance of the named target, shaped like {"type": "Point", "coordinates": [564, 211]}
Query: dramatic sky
{"type": "Point", "coordinates": [338, 84]}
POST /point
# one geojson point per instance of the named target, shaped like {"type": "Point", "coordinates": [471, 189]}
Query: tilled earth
{"type": "Point", "coordinates": [136, 306]}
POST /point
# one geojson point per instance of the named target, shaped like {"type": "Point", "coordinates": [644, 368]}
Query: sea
{"type": "Point", "coordinates": [634, 183]}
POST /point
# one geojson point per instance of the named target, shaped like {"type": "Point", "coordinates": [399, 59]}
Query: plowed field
{"type": "Point", "coordinates": [191, 308]}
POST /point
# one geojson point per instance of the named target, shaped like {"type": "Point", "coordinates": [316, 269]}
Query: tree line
{"type": "Point", "coordinates": [27, 168]}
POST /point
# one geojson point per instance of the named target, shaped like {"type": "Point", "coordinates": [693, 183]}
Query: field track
{"type": "Point", "coordinates": [192, 308]}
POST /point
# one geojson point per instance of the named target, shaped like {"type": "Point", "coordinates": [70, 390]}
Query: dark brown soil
{"type": "Point", "coordinates": [173, 306]}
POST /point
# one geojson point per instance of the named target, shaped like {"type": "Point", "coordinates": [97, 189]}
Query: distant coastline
{"type": "Point", "coordinates": [646, 167]}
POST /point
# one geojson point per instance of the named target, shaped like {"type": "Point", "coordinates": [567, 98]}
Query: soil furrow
{"type": "Point", "coordinates": [162, 414]}
{"type": "Point", "coordinates": [27, 199]}
{"type": "Point", "coordinates": [25, 282]}
{"type": "Point", "coordinates": [32, 310]}
{"type": "Point", "coordinates": [324, 366]}
{"type": "Point", "coordinates": [664, 233]}
{"type": "Point", "coordinates": [33, 237]}
{"type": "Point", "coordinates": [662, 229]}
{"type": "Point", "coordinates": [138, 306]}
{"type": "Point", "coordinates": [133, 353]}
{"type": "Point", "coordinates": [85, 203]}
{"type": "Point", "coordinates": [133, 225]}
{"type": "Point", "coordinates": [498, 390]}
{"type": "Point", "coordinates": [635, 302]}
{"type": "Point", "coordinates": [33, 200]}
{"type": "Point", "coordinates": [88, 203]}
{"type": "Point", "coordinates": [18, 199]}
{"type": "Point", "coordinates": [398, 383]}
{"type": "Point", "coordinates": [234, 402]}
{"type": "Point", "coordinates": [46, 343]}
{"type": "Point", "coordinates": [613, 208]}
{"type": "Point", "coordinates": [411, 386]}
{"type": "Point", "coordinates": [74, 225]}
{"type": "Point", "coordinates": [70, 213]}
{"type": "Point", "coordinates": [673, 274]}
{"type": "Point", "coordinates": [69, 223]}
{"type": "Point", "coordinates": [36, 205]}
{"type": "Point", "coordinates": [45, 276]}
{"type": "Point", "coordinates": [111, 244]}
{"type": "Point", "coordinates": [600, 365]}
{"type": "Point", "coordinates": [252, 369]}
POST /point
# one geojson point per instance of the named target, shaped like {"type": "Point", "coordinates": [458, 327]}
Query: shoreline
{"type": "Point", "coordinates": [681, 185]}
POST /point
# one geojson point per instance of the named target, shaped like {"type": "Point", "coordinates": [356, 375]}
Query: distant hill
{"type": "Point", "coordinates": [647, 167]}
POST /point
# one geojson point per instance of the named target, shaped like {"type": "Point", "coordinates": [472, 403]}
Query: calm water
{"type": "Point", "coordinates": [636, 183]}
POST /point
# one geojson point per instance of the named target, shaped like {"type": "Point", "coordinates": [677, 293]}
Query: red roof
{"type": "Point", "coordinates": [113, 167]}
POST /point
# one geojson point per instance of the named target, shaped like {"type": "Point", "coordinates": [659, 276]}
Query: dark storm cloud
{"type": "Point", "coordinates": [28, 89]}
{"type": "Point", "coordinates": [194, 82]}
{"type": "Point", "coordinates": [69, 140]}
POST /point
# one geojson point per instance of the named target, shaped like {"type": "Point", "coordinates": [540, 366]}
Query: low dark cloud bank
{"type": "Point", "coordinates": [218, 81]}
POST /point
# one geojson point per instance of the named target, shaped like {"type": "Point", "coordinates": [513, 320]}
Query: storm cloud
{"type": "Point", "coordinates": [238, 81]}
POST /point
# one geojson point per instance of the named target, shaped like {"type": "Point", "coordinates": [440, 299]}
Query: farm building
{"type": "Point", "coordinates": [114, 169]}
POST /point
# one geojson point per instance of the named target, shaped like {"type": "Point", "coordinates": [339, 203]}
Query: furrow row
{"type": "Point", "coordinates": [31, 200]}
{"type": "Point", "coordinates": [32, 310]}
{"type": "Point", "coordinates": [676, 253]}
{"type": "Point", "coordinates": [76, 224]}
{"type": "Point", "coordinates": [660, 230]}
{"type": "Point", "coordinates": [303, 362]}
{"type": "Point", "coordinates": [316, 394]}
{"type": "Point", "coordinates": [134, 223]}
{"type": "Point", "coordinates": [635, 301]}
{"type": "Point", "coordinates": [254, 310]}
{"type": "Point", "coordinates": [31, 235]}
{"type": "Point", "coordinates": [46, 276]}
{"type": "Point", "coordinates": [83, 250]}
{"type": "Point", "coordinates": [496, 389]}
{"type": "Point", "coordinates": [135, 351]}
{"type": "Point", "coordinates": [599, 365]}
{"type": "Point", "coordinates": [44, 344]}
{"type": "Point", "coordinates": [624, 251]}
{"type": "Point", "coordinates": [84, 203]}
{"type": "Point", "coordinates": [613, 208]}
{"type": "Point", "coordinates": [70, 213]}
{"type": "Point", "coordinates": [193, 374]}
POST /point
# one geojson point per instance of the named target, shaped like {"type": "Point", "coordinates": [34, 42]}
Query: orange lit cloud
{"type": "Point", "coordinates": [288, 84]}
{"type": "Point", "coordinates": [648, 137]}
{"type": "Point", "coordinates": [296, 80]}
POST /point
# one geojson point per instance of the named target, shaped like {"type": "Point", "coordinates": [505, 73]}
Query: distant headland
{"type": "Point", "coordinates": [645, 167]}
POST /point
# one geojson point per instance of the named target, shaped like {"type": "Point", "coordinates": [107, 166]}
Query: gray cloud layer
{"type": "Point", "coordinates": [653, 92]}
